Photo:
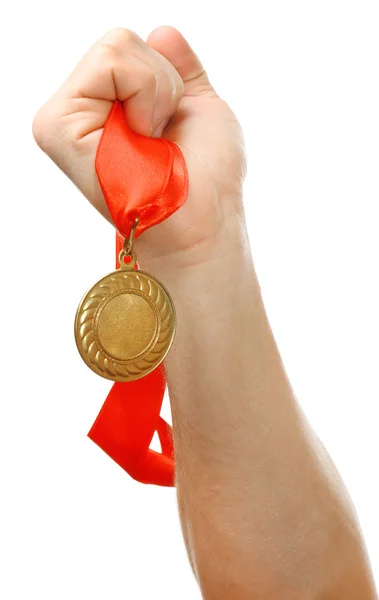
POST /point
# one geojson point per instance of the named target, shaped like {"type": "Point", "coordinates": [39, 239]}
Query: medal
{"type": "Point", "coordinates": [125, 324]}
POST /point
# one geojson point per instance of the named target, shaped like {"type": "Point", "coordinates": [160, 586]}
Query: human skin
{"type": "Point", "coordinates": [264, 512]}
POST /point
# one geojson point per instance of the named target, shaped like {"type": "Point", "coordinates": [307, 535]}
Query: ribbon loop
{"type": "Point", "coordinates": [139, 176]}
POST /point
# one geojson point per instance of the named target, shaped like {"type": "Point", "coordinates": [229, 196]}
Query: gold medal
{"type": "Point", "coordinates": [125, 324]}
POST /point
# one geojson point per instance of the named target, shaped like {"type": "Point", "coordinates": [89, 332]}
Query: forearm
{"type": "Point", "coordinates": [262, 507]}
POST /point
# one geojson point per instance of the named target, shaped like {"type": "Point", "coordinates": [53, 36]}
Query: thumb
{"type": "Point", "coordinates": [169, 42]}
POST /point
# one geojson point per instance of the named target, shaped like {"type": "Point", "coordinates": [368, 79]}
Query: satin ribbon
{"type": "Point", "coordinates": [144, 177]}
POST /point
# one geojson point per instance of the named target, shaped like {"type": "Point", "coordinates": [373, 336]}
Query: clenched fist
{"type": "Point", "coordinates": [165, 92]}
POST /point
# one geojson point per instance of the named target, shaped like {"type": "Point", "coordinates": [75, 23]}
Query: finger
{"type": "Point", "coordinates": [121, 66]}
{"type": "Point", "coordinates": [107, 74]}
{"type": "Point", "coordinates": [169, 42]}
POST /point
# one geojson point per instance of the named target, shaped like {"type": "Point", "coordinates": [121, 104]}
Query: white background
{"type": "Point", "coordinates": [302, 77]}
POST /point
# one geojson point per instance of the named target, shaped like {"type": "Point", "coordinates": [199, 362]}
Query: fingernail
{"type": "Point", "coordinates": [159, 130]}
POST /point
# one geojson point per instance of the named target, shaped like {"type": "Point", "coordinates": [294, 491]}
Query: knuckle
{"type": "Point", "coordinates": [42, 128]}
{"type": "Point", "coordinates": [120, 35]}
{"type": "Point", "coordinates": [103, 59]}
{"type": "Point", "coordinates": [104, 53]}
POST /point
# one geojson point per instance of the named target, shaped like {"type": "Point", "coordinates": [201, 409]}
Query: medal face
{"type": "Point", "coordinates": [125, 325]}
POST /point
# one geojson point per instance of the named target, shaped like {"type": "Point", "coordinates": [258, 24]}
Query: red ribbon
{"type": "Point", "coordinates": [144, 177]}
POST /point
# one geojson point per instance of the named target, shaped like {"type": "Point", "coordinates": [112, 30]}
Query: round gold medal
{"type": "Point", "coordinates": [125, 325]}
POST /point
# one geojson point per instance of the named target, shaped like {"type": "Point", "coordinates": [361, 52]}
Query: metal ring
{"type": "Point", "coordinates": [131, 264]}
{"type": "Point", "coordinates": [128, 242]}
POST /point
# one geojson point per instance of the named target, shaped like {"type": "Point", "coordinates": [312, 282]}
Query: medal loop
{"type": "Point", "coordinates": [127, 249]}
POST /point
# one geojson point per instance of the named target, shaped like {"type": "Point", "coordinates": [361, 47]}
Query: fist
{"type": "Point", "coordinates": [165, 92]}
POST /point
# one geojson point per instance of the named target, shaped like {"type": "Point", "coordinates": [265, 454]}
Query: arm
{"type": "Point", "coordinates": [263, 510]}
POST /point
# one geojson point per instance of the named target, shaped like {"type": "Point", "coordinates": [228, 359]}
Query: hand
{"type": "Point", "coordinates": [165, 92]}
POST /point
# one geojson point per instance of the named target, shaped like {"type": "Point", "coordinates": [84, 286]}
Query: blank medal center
{"type": "Point", "coordinates": [127, 326]}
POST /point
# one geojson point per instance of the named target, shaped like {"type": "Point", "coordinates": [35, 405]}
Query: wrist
{"type": "Point", "coordinates": [215, 276]}
{"type": "Point", "coordinates": [224, 241]}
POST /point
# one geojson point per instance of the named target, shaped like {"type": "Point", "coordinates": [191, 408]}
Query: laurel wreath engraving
{"type": "Point", "coordinates": [85, 325]}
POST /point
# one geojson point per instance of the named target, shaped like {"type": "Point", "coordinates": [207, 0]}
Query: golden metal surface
{"type": "Point", "coordinates": [125, 325]}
